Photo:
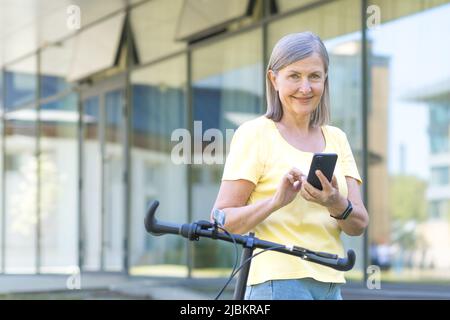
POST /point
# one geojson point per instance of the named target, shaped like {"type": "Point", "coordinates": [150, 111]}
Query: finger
{"type": "Point", "coordinates": [296, 172]}
{"type": "Point", "coordinates": [312, 191]}
{"type": "Point", "coordinates": [312, 197]}
{"type": "Point", "coordinates": [290, 178]}
{"type": "Point", "coordinates": [306, 195]}
{"type": "Point", "coordinates": [334, 182]}
{"type": "Point", "coordinates": [297, 186]}
{"type": "Point", "coordinates": [326, 186]}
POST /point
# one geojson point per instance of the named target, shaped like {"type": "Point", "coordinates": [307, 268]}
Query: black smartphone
{"type": "Point", "coordinates": [325, 162]}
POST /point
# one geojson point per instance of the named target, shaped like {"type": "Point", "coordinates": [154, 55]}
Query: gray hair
{"type": "Point", "coordinates": [289, 49]}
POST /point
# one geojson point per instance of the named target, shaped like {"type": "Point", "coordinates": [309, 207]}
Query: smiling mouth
{"type": "Point", "coordinates": [303, 99]}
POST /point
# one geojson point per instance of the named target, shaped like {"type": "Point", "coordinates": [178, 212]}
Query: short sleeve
{"type": "Point", "coordinates": [349, 166]}
{"type": "Point", "coordinates": [244, 158]}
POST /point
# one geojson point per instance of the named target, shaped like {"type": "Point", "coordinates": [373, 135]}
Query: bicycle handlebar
{"type": "Point", "coordinates": [193, 231]}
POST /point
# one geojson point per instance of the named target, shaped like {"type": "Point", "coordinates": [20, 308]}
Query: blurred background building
{"type": "Point", "coordinates": [87, 116]}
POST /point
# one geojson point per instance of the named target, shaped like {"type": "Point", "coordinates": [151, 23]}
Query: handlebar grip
{"type": "Point", "coordinates": [347, 264]}
{"type": "Point", "coordinates": [340, 264]}
{"type": "Point", "coordinates": [155, 227]}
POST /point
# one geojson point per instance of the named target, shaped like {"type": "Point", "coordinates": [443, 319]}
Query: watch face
{"type": "Point", "coordinates": [219, 217]}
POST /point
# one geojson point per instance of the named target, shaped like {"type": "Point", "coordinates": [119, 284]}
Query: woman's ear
{"type": "Point", "coordinates": [273, 79]}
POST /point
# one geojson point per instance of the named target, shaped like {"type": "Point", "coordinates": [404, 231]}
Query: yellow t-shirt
{"type": "Point", "coordinates": [260, 154]}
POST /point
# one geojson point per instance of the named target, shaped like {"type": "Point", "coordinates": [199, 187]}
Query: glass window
{"type": "Point", "coordinates": [158, 126]}
{"type": "Point", "coordinates": [1, 92]}
{"type": "Point", "coordinates": [21, 83]}
{"type": "Point", "coordinates": [103, 205]}
{"type": "Point", "coordinates": [2, 195]}
{"type": "Point", "coordinates": [409, 111]}
{"type": "Point", "coordinates": [392, 10]}
{"type": "Point", "coordinates": [92, 11]}
{"type": "Point", "coordinates": [439, 209]}
{"type": "Point", "coordinates": [103, 169]}
{"type": "Point", "coordinates": [440, 117]}
{"type": "Point", "coordinates": [113, 187]}
{"type": "Point", "coordinates": [91, 184]}
{"type": "Point", "coordinates": [342, 38]}
{"type": "Point", "coordinates": [154, 24]}
{"type": "Point", "coordinates": [20, 191]}
{"type": "Point", "coordinates": [434, 209]}
{"type": "Point", "coordinates": [95, 48]}
{"type": "Point", "coordinates": [28, 25]}
{"type": "Point", "coordinates": [227, 79]}
{"type": "Point", "coordinates": [56, 64]}
{"type": "Point", "coordinates": [59, 185]}
{"type": "Point", "coordinates": [287, 5]}
{"type": "Point", "coordinates": [440, 176]}
{"type": "Point", "coordinates": [199, 18]}
{"type": "Point", "coordinates": [2, 135]}
{"type": "Point", "coordinates": [329, 21]}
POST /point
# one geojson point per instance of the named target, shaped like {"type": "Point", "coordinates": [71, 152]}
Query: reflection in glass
{"type": "Point", "coordinates": [343, 43]}
{"type": "Point", "coordinates": [159, 108]}
{"type": "Point", "coordinates": [288, 5]}
{"type": "Point", "coordinates": [2, 212]}
{"type": "Point", "coordinates": [1, 173]}
{"type": "Point", "coordinates": [92, 50]}
{"type": "Point", "coordinates": [1, 92]}
{"type": "Point", "coordinates": [114, 217]}
{"type": "Point", "coordinates": [227, 90]}
{"type": "Point", "coordinates": [96, 48]}
{"type": "Point", "coordinates": [59, 185]}
{"type": "Point", "coordinates": [56, 63]}
{"type": "Point", "coordinates": [91, 184]}
{"type": "Point", "coordinates": [20, 191]}
{"type": "Point", "coordinates": [410, 228]}
{"type": "Point", "coordinates": [329, 21]}
{"type": "Point", "coordinates": [26, 26]}
{"type": "Point", "coordinates": [20, 82]}
{"type": "Point", "coordinates": [154, 24]}
{"type": "Point", "coordinates": [103, 184]}
{"type": "Point", "coordinates": [197, 18]}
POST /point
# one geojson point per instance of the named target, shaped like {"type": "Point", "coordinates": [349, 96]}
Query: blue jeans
{"type": "Point", "coordinates": [294, 289]}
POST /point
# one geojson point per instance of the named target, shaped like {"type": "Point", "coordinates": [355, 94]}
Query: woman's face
{"type": "Point", "coordinates": [300, 85]}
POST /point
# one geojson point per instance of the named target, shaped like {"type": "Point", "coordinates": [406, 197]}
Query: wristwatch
{"type": "Point", "coordinates": [219, 217]}
{"type": "Point", "coordinates": [346, 213]}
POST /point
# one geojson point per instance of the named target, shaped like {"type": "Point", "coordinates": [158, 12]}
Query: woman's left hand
{"type": "Point", "coordinates": [328, 196]}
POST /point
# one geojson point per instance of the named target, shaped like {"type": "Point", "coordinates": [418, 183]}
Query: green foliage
{"type": "Point", "coordinates": [407, 198]}
{"type": "Point", "coordinates": [210, 253]}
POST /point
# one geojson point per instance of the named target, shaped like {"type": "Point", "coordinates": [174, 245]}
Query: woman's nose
{"type": "Point", "coordinates": [305, 87]}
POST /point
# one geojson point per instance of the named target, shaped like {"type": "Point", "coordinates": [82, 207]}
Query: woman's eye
{"type": "Point", "coordinates": [315, 76]}
{"type": "Point", "coordinates": [295, 76]}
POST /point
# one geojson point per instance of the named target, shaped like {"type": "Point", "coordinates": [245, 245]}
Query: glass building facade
{"type": "Point", "coordinates": [91, 118]}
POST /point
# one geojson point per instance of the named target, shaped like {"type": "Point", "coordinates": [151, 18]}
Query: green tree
{"type": "Point", "coordinates": [407, 198]}
{"type": "Point", "coordinates": [408, 207]}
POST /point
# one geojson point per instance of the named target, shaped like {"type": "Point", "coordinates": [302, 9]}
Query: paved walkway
{"type": "Point", "coordinates": [119, 286]}
{"type": "Point", "coordinates": [75, 285]}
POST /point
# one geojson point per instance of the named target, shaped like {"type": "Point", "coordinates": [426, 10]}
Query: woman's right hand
{"type": "Point", "coordinates": [289, 187]}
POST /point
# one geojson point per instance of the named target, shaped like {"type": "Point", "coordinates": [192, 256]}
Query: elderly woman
{"type": "Point", "coordinates": [264, 187]}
